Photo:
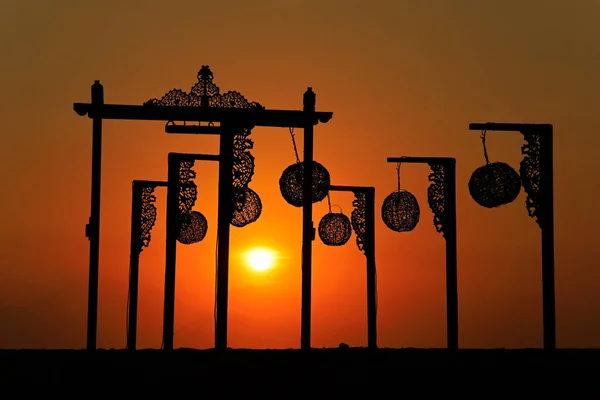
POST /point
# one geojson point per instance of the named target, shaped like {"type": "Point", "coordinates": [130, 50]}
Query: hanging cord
{"type": "Point", "coordinates": [398, 174]}
{"type": "Point", "coordinates": [294, 143]}
{"type": "Point", "coordinates": [333, 205]}
{"type": "Point", "coordinates": [485, 153]}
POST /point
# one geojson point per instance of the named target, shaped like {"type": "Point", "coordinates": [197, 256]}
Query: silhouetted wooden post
{"type": "Point", "coordinates": [173, 226]}
{"type": "Point", "coordinates": [139, 239]}
{"type": "Point", "coordinates": [537, 165]}
{"type": "Point", "coordinates": [371, 267]}
{"type": "Point", "coordinates": [223, 233]}
{"type": "Point", "coordinates": [363, 223]}
{"type": "Point", "coordinates": [93, 227]}
{"type": "Point", "coordinates": [308, 231]}
{"type": "Point", "coordinates": [444, 169]}
{"type": "Point", "coordinates": [171, 249]}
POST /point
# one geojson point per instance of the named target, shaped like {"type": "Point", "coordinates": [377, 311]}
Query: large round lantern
{"type": "Point", "coordinates": [193, 228]}
{"type": "Point", "coordinates": [247, 208]}
{"type": "Point", "coordinates": [335, 229]}
{"type": "Point", "coordinates": [400, 211]}
{"type": "Point", "coordinates": [494, 185]}
{"type": "Point", "coordinates": [292, 179]}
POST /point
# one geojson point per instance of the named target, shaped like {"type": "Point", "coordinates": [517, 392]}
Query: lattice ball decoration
{"type": "Point", "coordinates": [335, 229]}
{"type": "Point", "coordinates": [247, 208]}
{"type": "Point", "coordinates": [400, 211]}
{"type": "Point", "coordinates": [292, 178]}
{"type": "Point", "coordinates": [193, 228]}
{"type": "Point", "coordinates": [494, 184]}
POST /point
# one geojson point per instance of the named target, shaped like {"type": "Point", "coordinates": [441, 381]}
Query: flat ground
{"type": "Point", "coordinates": [276, 370]}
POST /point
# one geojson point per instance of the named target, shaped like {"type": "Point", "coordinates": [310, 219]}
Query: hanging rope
{"type": "Point", "coordinates": [485, 153]}
{"type": "Point", "coordinates": [294, 143]}
{"type": "Point", "coordinates": [328, 201]}
{"type": "Point", "coordinates": [398, 174]}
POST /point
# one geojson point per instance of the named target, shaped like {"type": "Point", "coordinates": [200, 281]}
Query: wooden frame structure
{"type": "Point", "coordinates": [230, 119]}
{"type": "Point", "coordinates": [444, 174]}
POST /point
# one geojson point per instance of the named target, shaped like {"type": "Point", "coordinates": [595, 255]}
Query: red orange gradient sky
{"type": "Point", "coordinates": [402, 78]}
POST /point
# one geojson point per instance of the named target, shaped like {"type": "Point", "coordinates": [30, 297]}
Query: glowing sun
{"type": "Point", "coordinates": [259, 259]}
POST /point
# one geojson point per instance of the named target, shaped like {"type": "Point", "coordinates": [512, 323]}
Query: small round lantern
{"type": "Point", "coordinates": [335, 229]}
{"type": "Point", "coordinates": [494, 184]}
{"type": "Point", "coordinates": [400, 211]}
{"type": "Point", "coordinates": [292, 178]}
{"type": "Point", "coordinates": [247, 208]}
{"type": "Point", "coordinates": [193, 228]}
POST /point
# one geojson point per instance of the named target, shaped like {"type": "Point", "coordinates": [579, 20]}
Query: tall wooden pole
{"type": "Point", "coordinates": [171, 250]}
{"type": "Point", "coordinates": [308, 233]}
{"type": "Point", "coordinates": [134, 265]}
{"type": "Point", "coordinates": [93, 227]}
{"type": "Point", "coordinates": [225, 213]}
{"type": "Point", "coordinates": [547, 228]}
{"type": "Point", "coordinates": [371, 268]}
{"type": "Point", "coordinates": [451, 256]}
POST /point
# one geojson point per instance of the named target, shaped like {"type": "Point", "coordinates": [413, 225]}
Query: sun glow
{"type": "Point", "coordinates": [260, 259]}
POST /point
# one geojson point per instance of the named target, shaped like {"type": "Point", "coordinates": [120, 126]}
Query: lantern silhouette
{"type": "Point", "coordinates": [247, 208]}
{"type": "Point", "coordinates": [400, 210]}
{"type": "Point", "coordinates": [494, 184]}
{"type": "Point", "coordinates": [193, 228]}
{"type": "Point", "coordinates": [335, 229]}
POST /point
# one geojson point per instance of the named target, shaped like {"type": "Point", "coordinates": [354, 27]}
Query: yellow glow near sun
{"type": "Point", "coordinates": [260, 259]}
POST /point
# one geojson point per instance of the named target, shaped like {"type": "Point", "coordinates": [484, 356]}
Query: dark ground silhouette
{"type": "Point", "coordinates": [266, 370]}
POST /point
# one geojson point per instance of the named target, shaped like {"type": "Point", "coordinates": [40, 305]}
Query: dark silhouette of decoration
{"type": "Point", "coordinates": [441, 197]}
{"type": "Point", "coordinates": [494, 184]}
{"type": "Point", "coordinates": [247, 209]}
{"type": "Point", "coordinates": [148, 216]}
{"type": "Point", "coordinates": [204, 93]}
{"type": "Point", "coordinates": [400, 210]}
{"type": "Point", "coordinates": [226, 115]}
{"type": "Point", "coordinates": [359, 219]}
{"type": "Point", "coordinates": [143, 218]}
{"type": "Point", "coordinates": [194, 229]}
{"type": "Point", "coordinates": [436, 196]}
{"type": "Point", "coordinates": [530, 175]}
{"type": "Point", "coordinates": [335, 229]}
{"type": "Point", "coordinates": [292, 180]}
{"type": "Point", "coordinates": [188, 191]}
{"type": "Point", "coordinates": [537, 179]}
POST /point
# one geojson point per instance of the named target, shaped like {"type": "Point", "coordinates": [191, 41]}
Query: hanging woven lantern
{"type": "Point", "coordinates": [292, 178]}
{"type": "Point", "coordinates": [494, 185]}
{"type": "Point", "coordinates": [193, 228]}
{"type": "Point", "coordinates": [247, 208]}
{"type": "Point", "coordinates": [335, 229]}
{"type": "Point", "coordinates": [400, 211]}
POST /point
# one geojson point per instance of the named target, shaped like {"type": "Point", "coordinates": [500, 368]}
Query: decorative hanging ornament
{"type": "Point", "coordinates": [494, 184]}
{"type": "Point", "coordinates": [400, 210]}
{"type": "Point", "coordinates": [292, 180]}
{"type": "Point", "coordinates": [193, 228]}
{"type": "Point", "coordinates": [246, 209]}
{"type": "Point", "coordinates": [334, 228]}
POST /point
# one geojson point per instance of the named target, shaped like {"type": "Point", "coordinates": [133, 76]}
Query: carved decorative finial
{"type": "Point", "coordinates": [310, 100]}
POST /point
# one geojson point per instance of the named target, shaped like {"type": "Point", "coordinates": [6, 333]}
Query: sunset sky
{"type": "Point", "coordinates": [401, 77]}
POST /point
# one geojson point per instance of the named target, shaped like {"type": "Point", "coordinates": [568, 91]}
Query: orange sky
{"type": "Point", "coordinates": [402, 78]}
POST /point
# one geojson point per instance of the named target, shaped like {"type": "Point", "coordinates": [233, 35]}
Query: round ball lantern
{"type": "Point", "coordinates": [335, 229]}
{"type": "Point", "coordinates": [247, 208]}
{"type": "Point", "coordinates": [292, 178]}
{"type": "Point", "coordinates": [193, 228]}
{"type": "Point", "coordinates": [400, 211]}
{"type": "Point", "coordinates": [494, 185]}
